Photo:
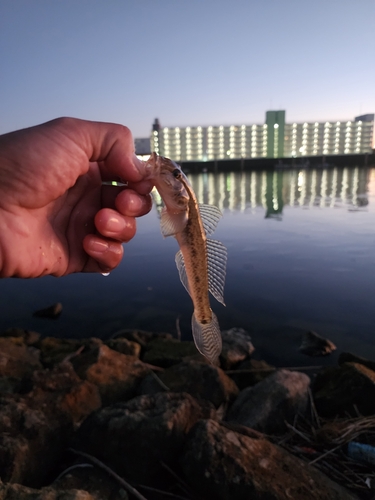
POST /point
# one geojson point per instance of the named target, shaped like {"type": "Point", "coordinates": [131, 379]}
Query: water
{"type": "Point", "coordinates": [300, 257]}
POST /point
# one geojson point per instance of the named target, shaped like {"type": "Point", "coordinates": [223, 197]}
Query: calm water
{"type": "Point", "coordinates": [301, 256]}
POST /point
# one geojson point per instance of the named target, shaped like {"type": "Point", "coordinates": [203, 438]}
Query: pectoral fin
{"type": "Point", "coordinates": [171, 224]}
{"type": "Point", "coordinates": [210, 216]}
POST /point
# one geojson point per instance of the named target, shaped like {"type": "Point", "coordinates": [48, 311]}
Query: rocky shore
{"type": "Point", "coordinates": [144, 416]}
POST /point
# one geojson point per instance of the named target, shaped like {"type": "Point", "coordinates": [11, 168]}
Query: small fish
{"type": "Point", "coordinates": [201, 262]}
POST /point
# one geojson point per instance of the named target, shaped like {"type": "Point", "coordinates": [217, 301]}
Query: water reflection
{"type": "Point", "coordinates": [272, 190]}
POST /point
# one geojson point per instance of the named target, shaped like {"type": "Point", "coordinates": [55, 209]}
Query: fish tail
{"type": "Point", "coordinates": [207, 338]}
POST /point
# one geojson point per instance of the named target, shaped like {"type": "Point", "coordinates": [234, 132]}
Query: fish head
{"type": "Point", "coordinates": [167, 175]}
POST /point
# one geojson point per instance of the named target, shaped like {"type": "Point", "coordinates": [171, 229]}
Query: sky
{"type": "Point", "coordinates": [186, 62]}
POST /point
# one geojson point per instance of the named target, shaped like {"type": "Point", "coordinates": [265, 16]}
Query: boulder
{"type": "Point", "coordinates": [267, 405]}
{"type": "Point", "coordinates": [17, 359]}
{"type": "Point", "coordinates": [201, 380]}
{"type": "Point", "coordinates": [313, 344]}
{"type": "Point", "coordinates": [124, 346]}
{"type": "Point", "coordinates": [54, 350]}
{"type": "Point", "coordinates": [19, 492]}
{"type": "Point", "coordinates": [226, 465]}
{"type": "Point", "coordinates": [51, 312]}
{"type": "Point", "coordinates": [142, 337]}
{"type": "Point", "coordinates": [237, 346]}
{"type": "Point", "coordinates": [348, 357]}
{"type": "Point", "coordinates": [116, 375]}
{"type": "Point", "coordinates": [31, 442]}
{"type": "Point", "coordinates": [167, 352]}
{"type": "Point", "coordinates": [29, 337]}
{"type": "Point", "coordinates": [137, 436]}
{"type": "Point", "coordinates": [345, 390]}
{"type": "Point", "coordinates": [61, 390]}
{"type": "Point", "coordinates": [250, 372]}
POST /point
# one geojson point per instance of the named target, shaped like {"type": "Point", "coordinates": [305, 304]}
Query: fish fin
{"type": "Point", "coordinates": [210, 216]}
{"type": "Point", "coordinates": [171, 224]}
{"type": "Point", "coordinates": [216, 266]}
{"type": "Point", "coordinates": [179, 259]}
{"type": "Point", "coordinates": [207, 338]}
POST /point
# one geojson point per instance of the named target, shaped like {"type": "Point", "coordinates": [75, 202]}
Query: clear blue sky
{"type": "Point", "coordinates": [188, 62]}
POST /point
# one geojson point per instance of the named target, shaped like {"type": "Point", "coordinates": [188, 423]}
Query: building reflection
{"type": "Point", "coordinates": [348, 187]}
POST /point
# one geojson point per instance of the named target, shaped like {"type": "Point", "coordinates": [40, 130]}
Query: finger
{"type": "Point", "coordinates": [112, 224]}
{"type": "Point", "coordinates": [106, 254]}
{"type": "Point", "coordinates": [132, 204]}
{"type": "Point", "coordinates": [142, 187]}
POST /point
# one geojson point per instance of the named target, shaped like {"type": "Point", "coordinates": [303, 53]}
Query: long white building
{"type": "Point", "coordinates": [272, 139]}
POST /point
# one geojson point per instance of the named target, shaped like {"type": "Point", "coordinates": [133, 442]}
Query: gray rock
{"type": "Point", "coordinates": [167, 352]}
{"type": "Point", "coordinates": [345, 390]}
{"type": "Point", "coordinates": [250, 372]}
{"type": "Point", "coordinates": [201, 380]}
{"type": "Point", "coordinates": [19, 492]}
{"type": "Point", "coordinates": [348, 357]}
{"type": "Point", "coordinates": [237, 346]}
{"type": "Point", "coordinates": [17, 359]}
{"type": "Point", "coordinates": [267, 405]}
{"type": "Point", "coordinates": [124, 346]}
{"type": "Point", "coordinates": [135, 437]}
{"type": "Point", "coordinates": [51, 312]}
{"type": "Point", "coordinates": [226, 465]}
{"type": "Point", "coordinates": [314, 345]}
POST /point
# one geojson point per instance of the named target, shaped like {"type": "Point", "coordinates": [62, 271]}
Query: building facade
{"type": "Point", "coordinates": [273, 139]}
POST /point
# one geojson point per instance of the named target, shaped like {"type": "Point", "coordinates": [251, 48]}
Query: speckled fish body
{"type": "Point", "coordinates": [201, 261]}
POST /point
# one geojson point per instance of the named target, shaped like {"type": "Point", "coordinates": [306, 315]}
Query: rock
{"type": "Point", "coordinates": [142, 337]}
{"type": "Point", "coordinates": [29, 337]}
{"type": "Point", "coordinates": [314, 345]}
{"type": "Point", "coordinates": [345, 390]}
{"type": "Point", "coordinates": [17, 359]}
{"type": "Point", "coordinates": [134, 437]}
{"type": "Point", "coordinates": [168, 352]}
{"type": "Point", "coordinates": [347, 357]}
{"type": "Point", "coordinates": [237, 347]}
{"type": "Point", "coordinates": [61, 390]}
{"type": "Point", "coordinates": [51, 312]}
{"type": "Point", "coordinates": [100, 485]}
{"type": "Point", "coordinates": [226, 465]}
{"type": "Point", "coordinates": [250, 372]}
{"type": "Point", "coordinates": [201, 380]}
{"type": "Point", "coordinates": [54, 351]}
{"type": "Point", "coordinates": [124, 346]}
{"type": "Point", "coordinates": [116, 375]}
{"type": "Point", "coordinates": [19, 492]}
{"type": "Point", "coordinates": [31, 442]}
{"type": "Point", "coordinates": [267, 405]}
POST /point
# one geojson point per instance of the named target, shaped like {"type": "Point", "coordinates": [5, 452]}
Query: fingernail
{"type": "Point", "coordinates": [139, 164]}
{"type": "Point", "coordinates": [97, 246]}
{"type": "Point", "coordinates": [115, 225]}
{"type": "Point", "coordinates": [135, 203]}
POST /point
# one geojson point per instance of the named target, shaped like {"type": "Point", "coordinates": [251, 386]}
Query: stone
{"type": "Point", "coordinates": [250, 372]}
{"type": "Point", "coordinates": [31, 442]}
{"type": "Point", "coordinates": [225, 465]}
{"type": "Point", "coordinates": [51, 312]}
{"type": "Point", "coordinates": [54, 351]}
{"type": "Point", "coordinates": [135, 437]}
{"type": "Point", "coordinates": [267, 405]}
{"type": "Point", "coordinates": [124, 346]}
{"type": "Point", "coordinates": [345, 390]}
{"type": "Point", "coordinates": [29, 337]}
{"type": "Point", "coordinates": [17, 359]}
{"type": "Point", "coordinates": [201, 380]}
{"type": "Point", "coordinates": [142, 337]}
{"type": "Point", "coordinates": [61, 390]}
{"type": "Point", "coordinates": [347, 357]}
{"type": "Point", "coordinates": [237, 346]}
{"type": "Point", "coordinates": [313, 344]}
{"type": "Point", "coordinates": [167, 352]}
{"type": "Point", "coordinates": [116, 375]}
{"type": "Point", "coordinates": [19, 492]}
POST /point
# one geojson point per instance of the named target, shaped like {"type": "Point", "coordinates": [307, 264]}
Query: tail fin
{"type": "Point", "coordinates": [207, 338]}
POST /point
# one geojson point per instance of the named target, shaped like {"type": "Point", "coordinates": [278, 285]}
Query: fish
{"type": "Point", "coordinates": [201, 261]}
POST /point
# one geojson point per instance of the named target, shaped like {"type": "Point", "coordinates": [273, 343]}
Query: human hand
{"type": "Point", "coordinates": [56, 217]}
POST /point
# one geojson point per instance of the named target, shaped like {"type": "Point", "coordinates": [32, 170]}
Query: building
{"type": "Point", "coordinates": [273, 139]}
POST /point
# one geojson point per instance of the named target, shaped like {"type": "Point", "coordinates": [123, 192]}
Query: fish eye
{"type": "Point", "coordinates": [176, 173]}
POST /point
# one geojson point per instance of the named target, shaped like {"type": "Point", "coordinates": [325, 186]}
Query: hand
{"type": "Point", "coordinates": [56, 217]}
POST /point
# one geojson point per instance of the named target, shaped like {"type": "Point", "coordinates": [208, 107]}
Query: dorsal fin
{"type": "Point", "coordinates": [210, 216]}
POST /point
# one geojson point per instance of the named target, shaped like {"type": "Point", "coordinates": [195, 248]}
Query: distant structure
{"type": "Point", "coordinates": [273, 139]}
{"type": "Point", "coordinates": [142, 146]}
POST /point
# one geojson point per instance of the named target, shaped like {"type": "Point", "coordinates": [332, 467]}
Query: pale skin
{"type": "Point", "coordinates": [56, 217]}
